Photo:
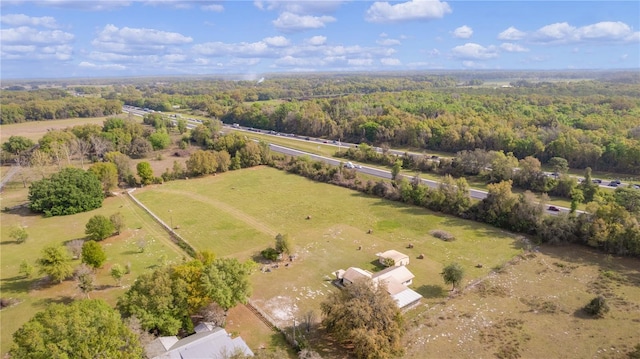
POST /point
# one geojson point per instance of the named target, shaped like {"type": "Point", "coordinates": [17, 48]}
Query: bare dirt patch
{"type": "Point", "coordinates": [532, 308]}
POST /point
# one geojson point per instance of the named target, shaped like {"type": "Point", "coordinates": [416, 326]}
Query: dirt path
{"type": "Point", "coordinates": [8, 176]}
{"type": "Point", "coordinates": [238, 214]}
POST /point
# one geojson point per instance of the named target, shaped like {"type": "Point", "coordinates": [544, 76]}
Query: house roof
{"type": "Point", "coordinates": [214, 344]}
{"type": "Point", "coordinates": [393, 254]}
{"type": "Point", "coordinates": [399, 273]}
{"type": "Point", "coordinates": [406, 297]}
{"type": "Point", "coordinates": [353, 274]}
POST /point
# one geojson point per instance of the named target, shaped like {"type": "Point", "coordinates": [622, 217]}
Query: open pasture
{"type": "Point", "coordinates": [34, 294]}
{"type": "Point", "coordinates": [34, 130]}
{"type": "Point", "coordinates": [239, 213]}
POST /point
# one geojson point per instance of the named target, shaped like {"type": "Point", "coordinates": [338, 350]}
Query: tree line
{"type": "Point", "coordinates": [611, 223]}
{"type": "Point", "coordinates": [591, 123]}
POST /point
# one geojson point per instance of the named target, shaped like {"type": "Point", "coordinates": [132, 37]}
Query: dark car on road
{"type": "Point", "coordinates": [553, 209]}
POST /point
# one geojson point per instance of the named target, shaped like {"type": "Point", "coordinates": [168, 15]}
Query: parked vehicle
{"type": "Point", "coordinates": [553, 209]}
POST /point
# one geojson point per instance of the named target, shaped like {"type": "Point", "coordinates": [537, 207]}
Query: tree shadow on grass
{"type": "Point", "coordinates": [432, 291]}
{"type": "Point", "coordinates": [582, 314]}
{"type": "Point", "coordinates": [63, 299]}
{"type": "Point", "coordinates": [8, 242]}
{"type": "Point", "coordinates": [130, 252]}
{"type": "Point", "coordinates": [21, 210]}
{"type": "Point", "coordinates": [17, 284]}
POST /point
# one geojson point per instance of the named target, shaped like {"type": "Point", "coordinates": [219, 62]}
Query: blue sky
{"type": "Point", "coordinates": [83, 38]}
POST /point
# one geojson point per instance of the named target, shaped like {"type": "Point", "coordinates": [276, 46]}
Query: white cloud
{"type": "Point", "coordinates": [317, 40]}
{"type": "Point", "coordinates": [511, 47]}
{"type": "Point", "coordinates": [383, 12]}
{"type": "Point", "coordinates": [277, 41]}
{"type": "Point", "coordinates": [463, 32]}
{"type": "Point", "coordinates": [472, 51]}
{"type": "Point", "coordinates": [242, 49]}
{"type": "Point", "coordinates": [213, 7]}
{"type": "Point", "coordinates": [434, 52]}
{"type": "Point", "coordinates": [83, 5]}
{"type": "Point", "coordinates": [290, 22]}
{"type": "Point", "coordinates": [91, 65]}
{"type": "Point", "coordinates": [128, 35]}
{"type": "Point", "coordinates": [512, 34]}
{"type": "Point", "coordinates": [558, 32]}
{"type": "Point", "coordinates": [602, 32]}
{"type": "Point", "coordinates": [607, 30]}
{"type": "Point", "coordinates": [388, 42]}
{"type": "Point", "coordinates": [290, 61]}
{"type": "Point", "coordinates": [24, 20]}
{"type": "Point", "coordinates": [25, 34]}
{"type": "Point", "coordinates": [138, 41]}
{"type": "Point", "coordinates": [388, 61]}
{"type": "Point", "coordinates": [300, 7]}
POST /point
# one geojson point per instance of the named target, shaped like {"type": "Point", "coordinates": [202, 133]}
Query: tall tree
{"type": "Point", "coordinates": [93, 254]}
{"type": "Point", "coordinates": [159, 302]}
{"type": "Point", "coordinates": [145, 172]}
{"type": "Point", "coordinates": [283, 244]}
{"type": "Point", "coordinates": [56, 263]}
{"type": "Point", "coordinates": [82, 329]}
{"type": "Point", "coordinates": [69, 191]}
{"type": "Point", "coordinates": [452, 274]}
{"type": "Point", "coordinates": [98, 228]}
{"type": "Point", "coordinates": [202, 163]}
{"type": "Point", "coordinates": [364, 315]}
{"type": "Point", "coordinates": [227, 281]}
{"type": "Point", "coordinates": [107, 173]}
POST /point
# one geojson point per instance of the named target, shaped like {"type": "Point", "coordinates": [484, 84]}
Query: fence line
{"type": "Point", "coordinates": [175, 237]}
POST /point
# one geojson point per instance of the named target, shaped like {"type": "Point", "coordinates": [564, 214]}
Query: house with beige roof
{"type": "Point", "coordinates": [395, 278]}
{"type": "Point", "coordinates": [208, 342]}
{"type": "Point", "coordinates": [399, 259]}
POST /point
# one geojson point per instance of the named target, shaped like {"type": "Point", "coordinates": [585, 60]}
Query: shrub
{"type": "Point", "coordinates": [444, 235]}
{"type": "Point", "coordinates": [270, 253]}
{"type": "Point", "coordinates": [597, 307]}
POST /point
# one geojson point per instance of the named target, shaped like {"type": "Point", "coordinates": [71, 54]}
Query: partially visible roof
{"type": "Point", "coordinates": [399, 273]}
{"type": "Point", "coordinates": [353, 274]}
{"type": "Point", "coordinates": [393, 254]}
{"type": "Point", "coordinates": [406, 297]}
{"type": "Point", "coordinates": [212, 344]}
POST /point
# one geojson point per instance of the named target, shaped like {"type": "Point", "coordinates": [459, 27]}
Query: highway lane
{"type": "Point", "coordinates": [473, 193]}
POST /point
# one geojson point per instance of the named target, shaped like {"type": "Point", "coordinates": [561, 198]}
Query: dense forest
{"type": "Point", "coordinates": [589, 122]}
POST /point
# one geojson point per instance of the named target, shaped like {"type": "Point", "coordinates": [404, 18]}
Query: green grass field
{"type": "Point", "coordinates": [34, 294]}
{"type": "Point", "coordinates": [239, 213]}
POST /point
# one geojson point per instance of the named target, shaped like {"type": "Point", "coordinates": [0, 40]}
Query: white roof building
{"type": "Point", "coordinates": [208, 342]}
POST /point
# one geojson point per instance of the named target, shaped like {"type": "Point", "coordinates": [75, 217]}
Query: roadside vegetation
{"type": "Point", "coordinates": [216, 229]}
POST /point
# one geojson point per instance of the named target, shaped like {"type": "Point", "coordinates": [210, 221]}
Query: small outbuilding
{"type": "Point", "coordinates": [399, 259]}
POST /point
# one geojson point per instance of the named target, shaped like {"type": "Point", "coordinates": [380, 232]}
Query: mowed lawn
{"type": "Point", "coordinates": [239, 213]}
{"type": "Point", "coordinates": [34, 294]}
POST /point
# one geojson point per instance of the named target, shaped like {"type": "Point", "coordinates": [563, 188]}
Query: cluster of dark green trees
{"type": "Point", "coordinates": [611, 222]}
{"type": "Point", "coordinates": [592, 123]}
{"type": "Point", "coordinates": [164, 302]}
{"type": "Point", "coordinates": [52, 104]}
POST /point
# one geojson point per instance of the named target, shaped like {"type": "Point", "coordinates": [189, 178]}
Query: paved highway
{"type": "Point", "coordinates": [473, 193]}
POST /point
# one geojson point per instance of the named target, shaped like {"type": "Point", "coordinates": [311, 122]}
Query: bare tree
{"type": "Point", "coordinates": [100, 145]}
{"type": "Point", "coordinates": [86, 279]}
{"type": "Point", "coordinates": [309, 317]}
{"type": "Point", "coordinates": [75, 248]}
{"type": "Point", "coordinates": [40, 160]}
{"type": "Point", "coordinates": [80, 148]}
{"type": "Point", "coordinates": [213, 313]}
